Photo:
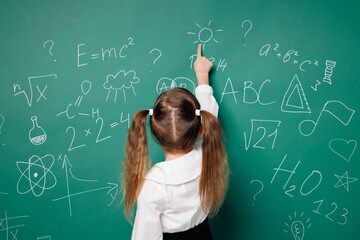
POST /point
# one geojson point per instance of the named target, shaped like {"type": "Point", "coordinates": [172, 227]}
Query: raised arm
{"type": "Point", "coordinates": [204, 92]}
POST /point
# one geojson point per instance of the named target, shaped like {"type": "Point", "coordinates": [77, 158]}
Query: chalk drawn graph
{"type": "Point", "coordinates": [120, 81]}
{"type": "Point", "coordinates": [66, 165]}
{"type": "Point", "coordinates": [36, 175]}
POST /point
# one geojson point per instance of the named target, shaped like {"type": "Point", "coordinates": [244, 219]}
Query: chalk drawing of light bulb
{"type": "Point", "coordinates": [205, 34]}
{"type": "Point", "coordinates": [37, 135]}
{"type": "Point", "coordinates": [298, 230]}
{"type": "Point", "coordinates": [297, 226]}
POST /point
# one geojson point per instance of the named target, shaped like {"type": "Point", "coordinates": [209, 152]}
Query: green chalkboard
{"type": "Point", "coordinates": [286, 76]}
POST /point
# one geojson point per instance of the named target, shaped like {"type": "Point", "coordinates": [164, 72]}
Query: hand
{"type": "Point", "coordinates": [202, 66]}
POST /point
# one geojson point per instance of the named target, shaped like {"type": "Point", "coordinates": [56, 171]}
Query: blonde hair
{"type": "Point", "coordinates": [176, 128]}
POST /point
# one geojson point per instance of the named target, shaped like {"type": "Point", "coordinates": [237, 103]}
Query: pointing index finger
{"type": "Point", "coordinates": [199, 51]}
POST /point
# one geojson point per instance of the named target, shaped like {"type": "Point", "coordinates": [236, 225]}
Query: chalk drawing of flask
{"type": "Point", "coordinates": [37, 135]}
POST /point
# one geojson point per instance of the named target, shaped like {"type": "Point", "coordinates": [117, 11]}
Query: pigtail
{"type": "Point", "coordinates": [137, 161]}
{"type": "Point", "coordinates": [215, 170]}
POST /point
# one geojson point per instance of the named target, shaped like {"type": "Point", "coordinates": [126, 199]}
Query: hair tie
{"type": "Point", "coordinates": [197, 112]}
{"type": "Point", "coordinates": [151, 111]}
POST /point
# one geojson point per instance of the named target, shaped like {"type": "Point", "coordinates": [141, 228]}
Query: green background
{"type": "Point", "coordinates": [258, 204]}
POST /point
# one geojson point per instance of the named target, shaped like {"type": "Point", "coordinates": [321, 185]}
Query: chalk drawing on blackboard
{"type": "Point", "coordinates": [37, 135]}
{"type": "Point", "coordinates": [87, 132]}
{"type": "Point", "coordinates": [205, 34]}
{"type": "Point", "coordinates": [291, 172]}
{"type": "Point", "coordinates": [158, 51]}
{"type": "Point", "coordinates": [261, 188]}
{"type": "Point", "coordinates": [66, 112]}
{"type": "Point", "coordinates": [308, 62]}
{"type": "Point", "coordinates": [344, 180]}
{"type": "Point", "coordinates": [66, 165]}
{"type": "Point", "coordinates": [297, 226]}
{"type": "Point", "coordinates": [50, 48]}
{"type": "Point", "coordinates": [29, 95]}
{"type": "Point", "coordinates": [114, 124]}
{"type": "Point", "coordinates": [342, 148]}
{"type": "Point", "coordinates": [220, 63]}
{"type": "Point", "coordinates": [336, 108]}
{"type": "Point", "coordinates": [230, 91]}
{"type": "Point", "coordinates": [248, 88]}
{"type": "Point", "coordinates": [36, 175]}
{"type": "Point", "coordinates": [9, 226]}
{"type": "Point", "coordinates": [47, 237]}
{"type": "Point", "coordinates": [2, 121]}
{"type": "Point", "coordinates": [263, 127]}
{"type": "Point", "coordinates": [98, 139]}
{"type": "Point", "coordinates": [106, 53]}
{"type": "Point", "coordinates": [71, 146]}
{"type": "Point", "coordinates": [85, 89]}
{"type": "Point", "coordinates": [166, 83]}
{"type": "Point", "coordinates": [320, 202]}
{"type": "Point", "coordinates": [72, 174]}
{"type": "Point", "coordinates": [242, 26]}
{"type": "Point", "coordinates": [120, 81]}
{"type": "Point", "coordinates": [316, 85]}
{"type": "Point", "coordinates": [294, 100]}
{"type": "Point", "coordinates": [328, 71]}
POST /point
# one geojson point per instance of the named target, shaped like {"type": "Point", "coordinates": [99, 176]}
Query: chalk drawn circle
{"type": "Point", "coordinates": [207, 32]}
{"type": "Point", "coordinates": [85, 89]}
{"type": "Point", "coordinates": [307, 127]}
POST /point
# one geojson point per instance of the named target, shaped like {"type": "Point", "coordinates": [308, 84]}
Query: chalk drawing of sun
{"type": "Point", "coordinates": [205, 34]}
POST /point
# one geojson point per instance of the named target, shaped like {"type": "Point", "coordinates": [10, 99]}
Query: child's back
{"type": "Point", "coordinates": [176, 196]}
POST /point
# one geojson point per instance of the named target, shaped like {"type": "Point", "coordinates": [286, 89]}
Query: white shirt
{"type": "Point", "coordinates": [169, 199]}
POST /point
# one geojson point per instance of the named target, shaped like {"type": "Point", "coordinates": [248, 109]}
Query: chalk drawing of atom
{"type": "Point", "coordinates": [36, 175]}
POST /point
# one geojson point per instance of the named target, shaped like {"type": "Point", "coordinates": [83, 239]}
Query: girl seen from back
{"type": "Point", "coordinates": [175, 197]}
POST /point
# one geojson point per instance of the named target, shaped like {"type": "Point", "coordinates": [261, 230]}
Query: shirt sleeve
{"type": "Point", "coordinates": [147, 223]}
{"type": "Point", "coordinates": [204, 94]}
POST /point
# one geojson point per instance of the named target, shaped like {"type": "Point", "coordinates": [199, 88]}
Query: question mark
{"type": "Point", "coordinates": [262, 187]}
{"type": "Point", "coordinates": [155, 49]}
{"type": "Point", "coordinates": [2, 121]}
{"type": "Point", "coordinates": [52, 44]}
{"type": "Point", "coordinates": [242, 26]}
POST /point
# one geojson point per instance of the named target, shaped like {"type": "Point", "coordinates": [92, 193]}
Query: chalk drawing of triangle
{"type": "Point", "coordinates": [294, 100]}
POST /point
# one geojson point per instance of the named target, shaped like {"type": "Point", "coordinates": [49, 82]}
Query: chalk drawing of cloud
{"type": "Point", "coordinates": [120, 81]}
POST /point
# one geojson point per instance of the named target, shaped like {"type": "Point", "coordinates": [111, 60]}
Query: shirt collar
{"type": "Point", "coordinates": [177, 171]}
